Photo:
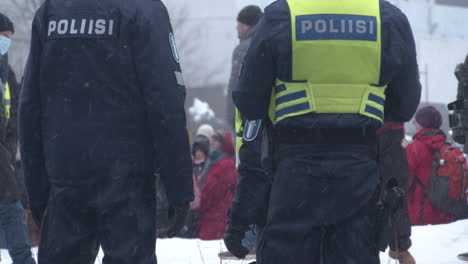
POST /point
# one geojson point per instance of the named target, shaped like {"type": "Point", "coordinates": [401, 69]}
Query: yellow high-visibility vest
{"type": "Point", "coordinates": [7, 101]}
{"type": "Point", "coordinates": [336, 55]}
{"type": "Point", "coordinates": [239, 130]}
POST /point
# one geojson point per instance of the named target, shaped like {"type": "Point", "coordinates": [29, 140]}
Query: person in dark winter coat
{"type": "Point", "coordinates": [32, 226]}
{"type": "Point", "coordinates": [324, 93]}
{"type": "Point", "coordinates": [393, 164]}
{"type": "Point", "coordinates": [11, 141]}
{"type": "Point", "coordinates": [427, 140]}
{"type": "Point", "coordinates": [9, 187]}
{"type": "Point", "coordinates": [200, 163]}
{"type": "Point", "coordinates": [217, 189]}
{"type": "Point", "coordinates": [200, 150]}
{"type": "Point", "coordinates": [11, 210]}
{"type": "Point", "coordinates": [250, 204]}
{"type": "Point", "coordinates": [11, 136]}
{"type": "Point", "coordinates": [101, 112]}
{"type": "Point", "coordinates": [247, 18]}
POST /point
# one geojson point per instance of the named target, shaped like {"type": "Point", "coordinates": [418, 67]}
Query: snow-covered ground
{"type": "Point", "coordinates": [431, 245]}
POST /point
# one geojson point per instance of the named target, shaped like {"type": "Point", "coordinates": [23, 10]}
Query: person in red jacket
{"type": "Point", "coordinates": [217, 187]}
{"type": "Point", "coordinates": [427, 140]}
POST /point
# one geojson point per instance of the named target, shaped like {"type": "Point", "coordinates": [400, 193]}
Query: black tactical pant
{"type": "Point", "coordinates": [320, 207]}
{"type": "Point", "coordinates": [393, 164]}
{"type": "Point", "coordinates": [79, 220]}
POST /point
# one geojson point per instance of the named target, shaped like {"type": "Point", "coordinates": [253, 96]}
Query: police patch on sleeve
{"type": "Point", "coordinates": [82, 26]}
{"type": "Point", "coordinates": [335, 26]}
{"type": "Point", "coordinates": [251, 129]}
{"type": "Point", "coordinates": [175, 53]}
{"type": "Point", "coordinates": [179, 78]}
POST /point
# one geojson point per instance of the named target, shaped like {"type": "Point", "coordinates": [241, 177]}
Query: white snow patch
{"type": "Point", "coordinates": [438, 244]}
{"type": "Point", "coordinates": [201, 110]}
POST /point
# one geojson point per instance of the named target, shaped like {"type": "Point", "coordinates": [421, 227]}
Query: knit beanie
{"type": "Point", "coordinates": [206, 131]}
{"type": "Point", "coordinates": [6, 24]}
{"type": "Point", "coordinates": [202, 145]}
{"type": "Point", "coordinates": [250, 15]}
{"type": "Point", "coordinates": [429, 117]}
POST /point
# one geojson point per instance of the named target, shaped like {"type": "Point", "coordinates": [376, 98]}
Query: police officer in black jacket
{"type": "Point", "coordinates": [326, 73]}
{"type": "Point", "coordinates": [250, 202]}
{"type": "Point", "coordinates": [101, 108]}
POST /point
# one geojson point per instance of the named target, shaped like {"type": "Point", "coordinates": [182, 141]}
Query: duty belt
{"type": "Point", "coordinates": [325, 136]}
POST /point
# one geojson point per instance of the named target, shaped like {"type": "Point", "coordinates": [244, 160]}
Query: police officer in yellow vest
{"type": "Point", "coordinates": [326, 73]}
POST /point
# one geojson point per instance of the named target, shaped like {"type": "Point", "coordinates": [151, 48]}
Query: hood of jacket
{"type": "Point", "coordinates": [434, 139]}
{"type": "Point", "coordinates": [228, 146]}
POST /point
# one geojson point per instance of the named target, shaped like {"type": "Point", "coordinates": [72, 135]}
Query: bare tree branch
{"type": "Point", "coordinates": [194, 56]}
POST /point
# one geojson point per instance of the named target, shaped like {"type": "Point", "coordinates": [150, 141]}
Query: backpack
{"type": "Point", "coordinates": [448, 187]}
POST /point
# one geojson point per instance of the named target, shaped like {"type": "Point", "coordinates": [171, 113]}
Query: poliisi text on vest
{"type": "Point", "coordinates": [85, 27]}
{"type": "Point", "coordinates": [334, 26]}
{"type": "Point", "coordinates": [343, 26]}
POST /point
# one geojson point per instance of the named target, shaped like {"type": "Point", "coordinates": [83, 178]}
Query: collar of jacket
{"type": "Point", "coordinates": [213, 157]}
{"type": "Point", "coordinates": [431, 137]}
{"type": "Point", "coordinates": [387, 126]}
{"type": "Point", "coordinates": [247, 35]}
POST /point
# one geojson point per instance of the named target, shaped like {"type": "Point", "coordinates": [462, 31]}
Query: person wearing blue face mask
{"type": "Point", "coordinates": [5, 42]}
{"type": "Point", "coordinates": [6, 32]}
{"type": "Point", "coordinates": [11, 210]}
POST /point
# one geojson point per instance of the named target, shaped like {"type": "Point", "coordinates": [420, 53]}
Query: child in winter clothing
{"type": "Point", "coordinates": [200, 150]}
{"type": "Point", "coordinates": [427, 140]}
{"type": "Point", "coordinates": [217, 187]}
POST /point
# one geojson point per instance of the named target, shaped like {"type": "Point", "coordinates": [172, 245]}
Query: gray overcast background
{"type": "Point", "coordinates": [205, 34]}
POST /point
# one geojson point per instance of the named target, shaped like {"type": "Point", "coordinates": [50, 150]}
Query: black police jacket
{"type": "Point", "coordinates": [9, 187]}
{"type": "Point", "coordinates": [103, 99]}
{"type": "Point", "coordinates": [269, 58]}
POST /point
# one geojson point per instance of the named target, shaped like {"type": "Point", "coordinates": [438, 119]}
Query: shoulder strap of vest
{"type": "Point", "coordinates": [412, 187]}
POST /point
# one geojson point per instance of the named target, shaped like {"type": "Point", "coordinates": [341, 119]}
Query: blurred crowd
{"type": "Point", "coordinates": [411, 162]}
{"type": "Point", "coordinates": [214, 176]}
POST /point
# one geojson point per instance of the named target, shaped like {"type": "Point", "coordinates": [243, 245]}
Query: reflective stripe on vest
{"type": "Point", "coordinates": [239, 130]}
{"type": "Point", "coordinates": [7, 101]}
{"type": "Point", "coordinates": [336, 53]}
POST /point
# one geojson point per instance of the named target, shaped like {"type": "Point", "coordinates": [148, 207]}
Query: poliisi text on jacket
{"type": "Point", "coordinates": [81, 28]}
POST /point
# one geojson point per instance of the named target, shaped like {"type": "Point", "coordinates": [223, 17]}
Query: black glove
{"type": "Point", "coordinates": [177, 215]}
{"type": "Point", "coordinates": [233, 240]}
